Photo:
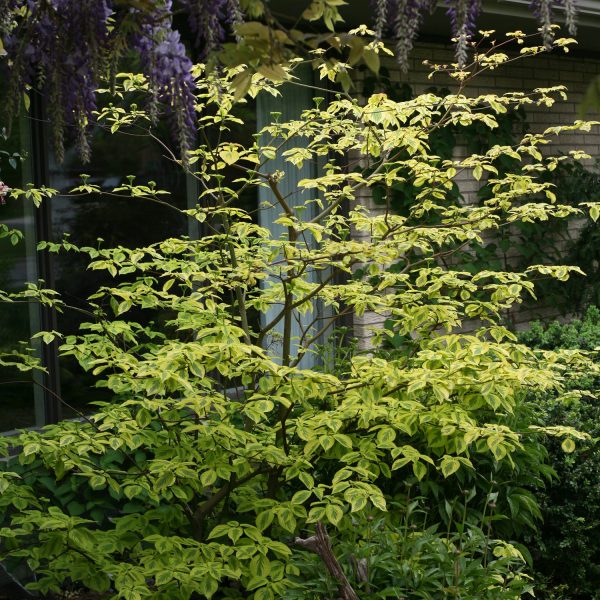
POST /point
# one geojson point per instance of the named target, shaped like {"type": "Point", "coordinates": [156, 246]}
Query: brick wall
{"type": "Point", "coordinates": [574, 72]}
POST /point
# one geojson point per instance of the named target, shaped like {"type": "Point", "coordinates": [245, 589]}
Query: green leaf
{"type": "Point", "coordinates": [286, 519]}
{"type": "Point", "coordinates": [449, 465]}
{"type": "Point", "coordinates": [143, 418]}
{"type": "Point", "coordinates": [385, 437]}
{"type": "Point", "coordinates": [372, 60]}
{"type": "Point", "coordinates": [207, 585]}
{"type": "Point", "coordinates": [334, 513]}
{"type": "Point", "coordinates": [419, 469]}
{"type": "Point", "coordinates": [260, 566]}
{"type": "Point", "coordinates": [235, 533]}
{"type": "Point", "coordinates": [208, 478]}
{"type": "Point", "coordinates": [264, 593]}
{"type": "Point", "coordinates": [164, 480]}
{"type": "Point", "coordinates": [32, 448]}
{"type": "Point", "coordinates": [163, 577]}
{"type": "Point", "coordinates": [82, 538]}
{"type": "Point", "coordinates": [97, 482]}
{"type": "Point", "coordinates": [264, 519]}
{"type": "Point", "coordinates": [307, 480]}
{"type": "Point", "coordinates": [378, 501]}
{"type": "Point", "coordinates": [301, 497]}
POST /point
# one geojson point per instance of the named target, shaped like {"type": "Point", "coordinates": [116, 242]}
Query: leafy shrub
{"type": "Point", "coordinates": [583, 334]}
{"type": "Point", "coordinates": [531, 241]}
{"type": "Point", "coordinates": [219, 460]}
{"type": "Point", "coordinates": [567, 549]}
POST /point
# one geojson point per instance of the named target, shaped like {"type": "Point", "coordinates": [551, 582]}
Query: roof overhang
{"type": "Point", "coordinates": [500, 15]}
{"type": "Point", "coordinates": [585, 8]}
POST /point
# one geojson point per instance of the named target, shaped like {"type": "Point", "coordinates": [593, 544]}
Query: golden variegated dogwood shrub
{"type": "Point", "coordinates": [394, 474]}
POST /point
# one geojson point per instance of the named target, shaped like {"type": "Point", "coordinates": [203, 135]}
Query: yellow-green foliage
{"type": "Point", "coordinates": [203, 490]}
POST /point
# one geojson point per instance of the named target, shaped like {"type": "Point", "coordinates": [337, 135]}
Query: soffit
{"type": "Point", "coordinates": [500, 15]}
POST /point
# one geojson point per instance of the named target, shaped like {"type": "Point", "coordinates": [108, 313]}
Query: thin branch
{"type": "Point", "coordinates": [320, 544]}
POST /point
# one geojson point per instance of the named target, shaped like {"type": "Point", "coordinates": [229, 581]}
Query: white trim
{"type": "Point", "coordinates": [584, 7]}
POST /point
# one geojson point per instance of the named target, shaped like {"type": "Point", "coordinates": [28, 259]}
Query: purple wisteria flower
{"type": "Point", "coordinates": [401, 19]}
{"type": "Point", "coordinates": [65, 47]}
{"type": "Point", "coordinates": [60, 50]}
{"type": "Point", "coordinates": [570, 7]}
{"type": "Point", "coordinates": [168, 68]}
{"type": "Point", "coordinates": [543, 10]}
{"type": "Point", "coordinates": [4, 190]}
{"type": "Point", "coordinates": [463, 20]}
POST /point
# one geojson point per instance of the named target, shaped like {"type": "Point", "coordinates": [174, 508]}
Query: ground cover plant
{"type": "Point", "coordinates": [222, 468]}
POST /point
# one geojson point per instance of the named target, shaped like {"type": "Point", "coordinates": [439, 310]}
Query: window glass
{"type": "Point", "coordinates": [103, 220]}
{"type": "Point", "coordinates": [21, 399]}
{"type": "Point", "coordinates": [294, 99]}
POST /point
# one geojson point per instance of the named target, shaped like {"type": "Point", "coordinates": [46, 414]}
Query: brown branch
{"type": "Point", "coordinates": [206, 507]}
{"type": "Point", "coordinates": [320, 544]}
{"type": "Point", "coordinates": [269, 326]}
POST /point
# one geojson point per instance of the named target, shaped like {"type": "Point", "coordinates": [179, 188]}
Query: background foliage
{"type": "Point", "coordinates": [572, 241]}
{"type": "Point", "coordinates": [566, 549]}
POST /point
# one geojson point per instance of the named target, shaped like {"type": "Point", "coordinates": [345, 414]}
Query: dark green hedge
{"type": "Point", "coordinates": [566, 551]}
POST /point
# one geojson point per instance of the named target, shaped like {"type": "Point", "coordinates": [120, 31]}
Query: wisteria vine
{"type": "Point", "coordinates": [402, 19]}
{"type": "Point", "coordinates": [168, 67]}
{"type": "Point", "coordinates": [544, 11]}
{"type": "Point", "coordinates": [61, 46]}
{"type": "Point", "coordinates": [210, 20]}
{"type": "Point", "coordinates": [66, 48]}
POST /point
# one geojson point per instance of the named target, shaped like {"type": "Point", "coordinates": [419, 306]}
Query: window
{"type": "Point", "coordinates": [21, 394]}
{"type": "Point", "coordinates": [295, 98]}
{"type": "Point", "coordinates": [116, 221]}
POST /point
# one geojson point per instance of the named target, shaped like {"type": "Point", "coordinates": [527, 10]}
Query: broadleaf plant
{"type": "Point", "coordinates": [224, 468]}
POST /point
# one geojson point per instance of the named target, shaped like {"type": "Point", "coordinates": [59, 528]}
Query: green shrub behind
{"type": "Point", "coordinates": [567, 549]}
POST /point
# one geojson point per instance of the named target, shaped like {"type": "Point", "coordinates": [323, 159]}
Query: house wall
{"type": "Point", "coordinates": [575, 72]}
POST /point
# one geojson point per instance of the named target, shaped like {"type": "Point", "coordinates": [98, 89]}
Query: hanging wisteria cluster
{"type": "Point", "coordinates": [210, 19]}
{"type": "Point", "coordinates": [543, 10]}
{"type": "Point", "coordinates": [66, 47]}
{"type": "Point", "coordinates": [166, 64]}
{"type": "Point", "coordinates": [60, 46]}
{"type": "Point", "coordinates": [401, 19]}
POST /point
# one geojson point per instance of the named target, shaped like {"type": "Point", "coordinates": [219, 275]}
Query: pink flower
{"type": "Point", "coordinates": [4, 189]}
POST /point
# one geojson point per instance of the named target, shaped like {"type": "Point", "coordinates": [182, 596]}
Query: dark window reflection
{"type": "Point", "coordinates": [105, 221]}
{"type": "Point", "coordinates": [19, 398]}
